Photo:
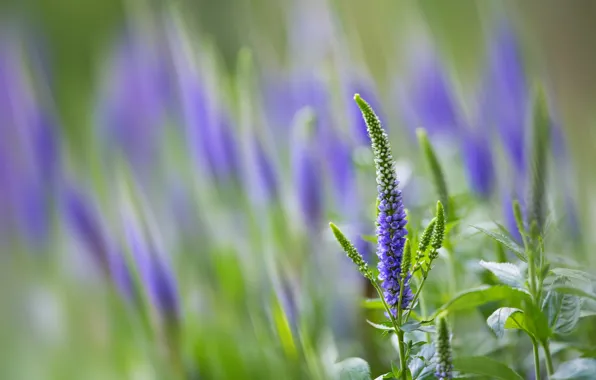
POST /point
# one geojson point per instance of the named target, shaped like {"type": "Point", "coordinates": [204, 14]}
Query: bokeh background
{"type": "Point", "coordinates": [199, 148]}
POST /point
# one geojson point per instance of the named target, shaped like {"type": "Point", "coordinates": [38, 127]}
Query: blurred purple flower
{"type": "Point", "coordinates": [155, 274]}
{"type": "Point", "coordinates": [85, 223]}
{"type": "Point", "coordinates": [28, 153]}
{"type": "Point", "coordinates": [307, 170]}
{"type": "Point", "coordinates": [478, 162]}
{"type": "Point", "coordinates": [135, 101]}
{"type": "Point", "coordinates": [506, 94]}
{"type": "Point", "coordinates": [428, 101]}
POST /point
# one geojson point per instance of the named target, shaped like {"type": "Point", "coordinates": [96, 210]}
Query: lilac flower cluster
{"type": "Point", "coordinates": [391, 219]}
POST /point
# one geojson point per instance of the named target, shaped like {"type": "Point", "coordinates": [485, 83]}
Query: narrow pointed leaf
{"type": "Point", "coordinates": [507, 242]}
{"type": "Point", "coordinates": [476, 297]}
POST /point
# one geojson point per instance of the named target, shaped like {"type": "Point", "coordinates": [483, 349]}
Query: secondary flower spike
{"type": "Point", "coordinates": [391, 218]}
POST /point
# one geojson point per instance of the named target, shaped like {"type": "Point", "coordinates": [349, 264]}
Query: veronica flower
{"type": "Point", "coordinates": [391, 219]}
{"type": "Point", "coordinates": [84, 221]}
{"type": "Point", "coordinates": [135, 98]}
{"type": "Point", "coordinates": [506, 94]}
{"type": "Point", "coordinates": [306, 170]}
{"type": "Point", "coordinates": [478, 162]}
{"type": "Point", "coordinates": [427, 100]}
{"type": "Point", "coordinates": [443, 356]}
{"type": "Point", "coordinates": [155, 273]}
{"type": "Point", "coordinates": [28, 152]}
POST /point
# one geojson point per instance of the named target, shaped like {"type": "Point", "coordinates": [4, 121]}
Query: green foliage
{"type": "Point", "coordinates": [482, 365]}
{"type": "Point", "coordinates": [576, 369]}
{"type": "Point", "coordinates": [507, 273]}
{"type": "Point", "coordinates": [479, 296]}
{"type": "Point", "coordinates": [352, 369]}
{"type": "Point", "coordinates": [505, 241]}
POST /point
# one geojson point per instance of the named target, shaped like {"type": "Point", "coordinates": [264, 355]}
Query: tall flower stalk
{"type": "Point", "coordinates": [393, 248]}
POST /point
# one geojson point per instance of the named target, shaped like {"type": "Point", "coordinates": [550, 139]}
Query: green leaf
{"type": "Point", "coordinates": [576, 369]}
{"type": "Point", "coordinates": [506, 241]}
{"type": "Point", "coordinates": [369, 238]}
{"type": "Point", "coordinates": [498, 320]}
{"type": "Point", "coordinates": [352, 369]}
{"type": "Point", "coordinates": [476, 297]}
{"type": "Point", "coordinates": [574, 273]}
{"type": "Point", "coordinates": [417, 326]}
{"type": "Point", "coordinates": [508, 273]}
{"type": "Point", "coordinates": [575, 291]}
{"type": "Point", "coordinates": [563, 311]}
{"type": "Point", "coordinates": [482, 365]}
{"type": "Point", "coordinates": [421, 366]}
{"type": "Point", "coordinates": [570, 309]}
{"type": "Point", "coordinates": [384, 326]}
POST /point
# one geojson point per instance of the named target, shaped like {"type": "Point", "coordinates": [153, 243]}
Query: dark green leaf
{"type": "Point", "coordinates": [576, 369]}
{"type": "Point", "coordinates": [482, 365]}
{"type": "Point", "coordinates": [497, 320]}
{"type": "Point", "coordinates": [480, 296]}
{"type": "Point", "coordinates": [508, 273]}
{"type": "Point", "coordinates": [507, 242]}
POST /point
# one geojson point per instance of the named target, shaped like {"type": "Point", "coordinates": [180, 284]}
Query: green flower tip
{"type": "Point", "coordinates": [439, 230]}
{"type": "Point", "coordinates": [351, 251]}
{"type": "Point", "coordinates": [361, 102]}
{"type": "Point", "coordinates": [406, 262]}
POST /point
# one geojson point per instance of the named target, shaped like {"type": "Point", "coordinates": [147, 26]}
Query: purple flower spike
{"type": "Point", "coordinates": [306, 170]}
{"type": "Point", "coordinates": [391, 219]}
{"type": "Point", "coordinates": [428, 101]}
{"type": "Point", "coordinates": [506, 94]}
{"type": "Point", "coordinates": [478, 162]}
{"type": "Point", "coordinates": [134, 104]}
{"type": "Point", "coordinates": [155, 274]}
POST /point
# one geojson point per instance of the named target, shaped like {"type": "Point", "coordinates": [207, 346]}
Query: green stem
{"type": "Point", "coordinates": [549, 360]}
{"type": "Point", "coordinates": [387, 309]}
{"type": "Point", "coordinates": [423, 311]}
{"type": "Point", "coordinates": [416, 296]}
{"type": "Point", "coordinates": [400, 333]}
{"type": "Point", "coordinates": [536, 359]}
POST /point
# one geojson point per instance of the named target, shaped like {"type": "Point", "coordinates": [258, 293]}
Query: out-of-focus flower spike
{"type": "Point", "coordinates": [444, 358]}
{"type": "Point", "coordinates": [506, 94]}
{"type": "Point", "coordinates": [135, 99]}
{"type": "Point", "coordinates": [540, 146]}
{"type": "Point", "coordinates": [391, 220]}
{"type": "Point", "coordinates": [85, 223]}
{"type": "Point", "coordinates": [478, 162]}
{"type": "Point", "coordinates": [306, 170]}
{"type": "Point", "coordinates": [428, 99]}
{"type": "Point", "coordinates": [435, 168]}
